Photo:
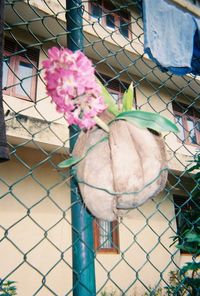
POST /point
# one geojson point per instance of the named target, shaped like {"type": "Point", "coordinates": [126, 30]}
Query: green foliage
{"type": "Point", "coordinates": [144, 119]}
{"type": "Point", "coordinates": [108, 99]}
{"type": "Point", "coordinates": [187, 280]}
{"type": "Point", "coordinates": [190, 240]}
{"type": "Point", "coordinates": [127, 99]}
{"type": "Point", "coordinates": [188, 235]}
{"type": "Point", "coordinates": [7, 288]}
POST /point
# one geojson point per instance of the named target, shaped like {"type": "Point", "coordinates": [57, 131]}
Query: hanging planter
{"type": "Point", "coordinates": [121, 172]}
{"type": "Point", "coordinates": [119, 158]}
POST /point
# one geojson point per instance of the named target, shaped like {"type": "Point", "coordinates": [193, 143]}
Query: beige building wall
{"type": "Point", "coordinates": [33, 202]}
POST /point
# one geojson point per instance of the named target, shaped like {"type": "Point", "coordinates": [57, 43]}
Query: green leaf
{"type": "Point", "coordinates": [69, 162]}
{"type": "Point", "coordinates": [193, 237]}
{"type": "Point", "coordinates": [74, 160]}
{"type": "Point", "coordinates": [108, 99]}
{"type": "Point", "coordinates": [190, 266]}
{"type": "Point", "coordinates": [151, 120]}
{"type": "Point", "coordinates": [127, 99]}
{"type": "Point", "coordinates": [195, 167]}
{"type": "Point", "coordinates": [188, 249]}
{"type": "Point", "coordinates": [197, 176]}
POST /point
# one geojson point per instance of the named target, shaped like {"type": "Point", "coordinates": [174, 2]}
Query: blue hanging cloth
{"type": "Point", "coordinates": [171, 37]}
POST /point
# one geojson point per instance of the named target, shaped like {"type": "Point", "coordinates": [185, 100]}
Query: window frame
{"type": "Point", "coordinates": [10, 74]}
{"type": "Point", "coordinates": [185, 127]}
{"type": "Point", "coordinates": [117, 92]}
{"type": "Point", "coordinates": [33, 79]}
{"type": "Point", "coordinates": [13, 72]}
{"type": "Point", "coordinates": [91, 3]}
{"type": "Point", "coordinates": [127, 21]}
{"type": "Point", "coordinates": [117, 18]}
{"type": "Point", "coordinates": [115, 238]}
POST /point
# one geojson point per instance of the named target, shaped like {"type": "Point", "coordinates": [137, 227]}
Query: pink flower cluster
{"type": "Point", "coordinates": [72, 85]}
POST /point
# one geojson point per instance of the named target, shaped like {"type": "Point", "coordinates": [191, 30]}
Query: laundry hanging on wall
{"type": "Point", "coordinates": [171, 37]}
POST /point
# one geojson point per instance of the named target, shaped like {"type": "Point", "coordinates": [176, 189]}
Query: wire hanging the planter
{"type": "Point", "coordinates": [119, 158]}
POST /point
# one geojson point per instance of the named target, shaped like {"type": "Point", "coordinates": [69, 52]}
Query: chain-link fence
{"type": "Point", "coordinates": [49, 243]}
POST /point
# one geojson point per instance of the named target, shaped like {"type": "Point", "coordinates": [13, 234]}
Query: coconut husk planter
{"type": "Point", "coordinates": [122, 172]}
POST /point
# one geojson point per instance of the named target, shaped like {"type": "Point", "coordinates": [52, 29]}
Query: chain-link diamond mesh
{"type": "Point", "coordinates": [36, 225]}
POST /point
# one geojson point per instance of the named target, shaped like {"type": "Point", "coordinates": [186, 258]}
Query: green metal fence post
{"type": "Point", "coordinates": [82, 221]}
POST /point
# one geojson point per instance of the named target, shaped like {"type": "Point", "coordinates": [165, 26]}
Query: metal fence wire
{"type": "Point", "coordinates": [49, 243]}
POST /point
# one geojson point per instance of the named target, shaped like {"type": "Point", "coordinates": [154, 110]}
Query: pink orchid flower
{"type": "Point", "coordinates": [71, 83]}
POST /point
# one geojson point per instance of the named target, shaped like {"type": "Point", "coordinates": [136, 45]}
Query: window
{"type": "Point", "coordinates": [195, 2]}
{"type": "Point", "coordinates": [106, 236]}
{"type": "Point", "coordinates": [188, 121]}
{"type": "Point", "coordinates": [187, 214]}
{"type": "Point", "coordinates": [107, 15]}
{"type": "Point", "coordinates": [96, 10]}
{"type": "Point", "coordinates": [19, 71]}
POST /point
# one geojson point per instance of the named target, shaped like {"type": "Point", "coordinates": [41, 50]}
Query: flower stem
{"type": "Point", "coordinates": [101, 124]}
